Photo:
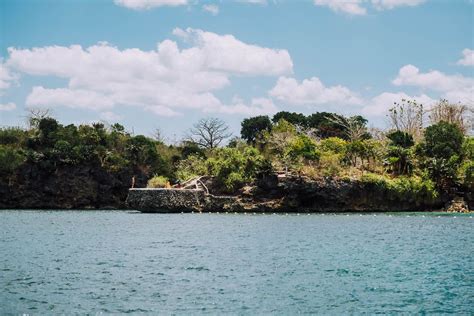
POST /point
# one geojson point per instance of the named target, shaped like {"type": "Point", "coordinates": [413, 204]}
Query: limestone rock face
{"type": "Point", "coordinates": [66, 187]}
{"type": "Point", "coordinates": [166, 200]}
{"type": "Point", "coordinates": [292, 194]}
{"type": "Point", "coordinates": [457, 205]}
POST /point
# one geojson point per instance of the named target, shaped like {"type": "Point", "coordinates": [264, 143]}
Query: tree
{"type": "Point", "coordinates": [407, 117]}
{"type": "Point", "coordinates": [254, 126]}
{"type": "Point", "coordinates": [296, 119]}
{"type": "Point", "coordinates": [209, 132]}
{"type": "Point", "coordinates": [279, 142]}
{"type": "Point", "coordinates": [37, 114]}
{"type": "Point", "coordinates": [443, 140]}
{"type": "Point", "coordinates": [354, 127]}
{"type": "Point", "coordinates": [399, 153]}
{"type": "Point", "coordinates": [324, 127]}
{"type": "Point", "coordinates": [451, 113]}
{"type": "Point", "coordinates": [443, 148]}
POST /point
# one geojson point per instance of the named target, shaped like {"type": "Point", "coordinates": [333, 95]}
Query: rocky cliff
{"type": "Point", "coordinates": [287, 195]}
{"type": "Point", "coordinates": [66, 187]}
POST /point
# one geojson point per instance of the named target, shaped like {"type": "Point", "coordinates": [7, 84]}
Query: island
{"type": "Point", "coordinates": [290, 162]}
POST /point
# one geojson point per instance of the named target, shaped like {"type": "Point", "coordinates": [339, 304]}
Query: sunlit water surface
{"type": "Point", "coordinates": [124, 262]}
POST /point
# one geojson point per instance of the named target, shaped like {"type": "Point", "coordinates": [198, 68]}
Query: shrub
{"type": "Point", "coordinates": [333, 144]}
{"type": "Point", "coordinates": [10, 159]}
{"type": "Point", "coordinates": [403, 188]}
{"type": "Point", "coordinates": [158, 182]}
{"type": "Point", "coordinates": [330, 164]}
{"type": "Point", "coordinates": [191, 167]}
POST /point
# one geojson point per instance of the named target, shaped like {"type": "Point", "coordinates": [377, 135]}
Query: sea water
{"type": "Point", "coordinates": [65, 262]}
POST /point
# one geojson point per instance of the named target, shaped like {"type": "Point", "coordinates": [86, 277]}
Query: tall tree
{"type": "Point", "coordinates": [252, 127]}
{"type": "Point", "coordinates": [209, 132]}
{"type": "Point", "coordinates": [458, 114]}
{"type": "Point", "coordinates": [407, 117]}
{"type": "Point", "coordinates": [294, 118]}
{"type": "Point", "coordinates": [324, 126]}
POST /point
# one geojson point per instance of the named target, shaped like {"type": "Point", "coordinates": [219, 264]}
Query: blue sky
{"type": "Point", "coordinates": [166, 63]}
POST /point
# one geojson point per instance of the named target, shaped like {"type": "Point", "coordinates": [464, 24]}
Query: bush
{"type": "Point", "coordinates": [10, 159]}
{"type": "Point", "coordinates": [403, 188]}
{"type": "Point", "coordinates": [158, 182]}
{"type": "Point", "coordinates": [333, 144]}
{"type": "Point", "coordinates": [191, 167]}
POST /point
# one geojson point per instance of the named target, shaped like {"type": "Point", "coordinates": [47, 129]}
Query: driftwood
{"type": "Point", "coordinates": [194, 183]}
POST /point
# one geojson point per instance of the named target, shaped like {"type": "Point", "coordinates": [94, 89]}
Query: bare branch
{"type": "Point", "coordinates": [209, 132]}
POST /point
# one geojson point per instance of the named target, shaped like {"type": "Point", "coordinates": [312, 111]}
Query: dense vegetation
{"type": "Point", "coordinates": [411, 158]}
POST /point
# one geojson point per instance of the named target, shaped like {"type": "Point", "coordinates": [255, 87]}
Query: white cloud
{"type": "Point", "coordinates": [352, 7]}
{"type": "Point", "coordinates": [211, 8]}
{"type": "Point", "coordinates": [163, 81]}
{"type": "Point", "coordinates": [262, 2]}
{"type": "Point", "coordinates": [258, 106]}
{"type": "Point", "coordinates": [380, 104]}
{"type": "Point", "coordinates": [10, 106]}
{"type": "Point", "coordinates": [110, 116]}
{"type": "Point", "coordinates": [456, 88]}
{"type": "Point", "coordinates": [359, 7]}
{"type": "Point", "coordinates": [6, 78]}
{"type": "Point", "coordinates": [226, 53]}
{"type": "Point", "coordinates": [149, 4]}
{"type": "Point", "coordinates": [44, 97]}
{"type": "Point", "coordinates": [391, 4]}
{"type": "Point", "coordinates": [468, 58]}
{"type": "Point", "coordinates": [311, 92]}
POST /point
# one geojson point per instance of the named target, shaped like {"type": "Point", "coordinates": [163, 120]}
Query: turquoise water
{"type": "Point", "coordinates": [124, 262]}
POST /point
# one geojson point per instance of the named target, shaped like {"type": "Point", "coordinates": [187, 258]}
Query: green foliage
{"type": "Point", "coordinates": [403, 188]}
{"type": "Point", "coordinates": [316, 145]}
{"type": "Point", "coordinates": [325, 126]}
{"type": "Point", "coordinates": [232, 167]}
{"type": "Point", "coordinates": [191, 148]}
{"type": "Point", "coordinates": [304, 147]}
{"type": "Point", "coordinates": [443, 140]}
{"type": "Point", "coordinates": [192, 166]}
{"type": "Point", "coordinates": [333, 144]}
{"type": "Point", "coordinates": [399, 155]}
{"type": "Point", "coordinates": [12, 136]}
{"type": "Point", "coordinates": [254, 126]}
{"type": "Point", "coordinates": [296, 119]}
{"type": "Point", "coordinates": [10, 159]}
{"type": "Point", "coordinates": [443, 148]}
{"type": "Point", "coordinates": [158, 182]}
{"type": "Point", "coordinates": [401, 139]}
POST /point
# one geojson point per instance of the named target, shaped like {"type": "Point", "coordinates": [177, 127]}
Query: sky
{"type": "Point", "coordinates": [164, 64]}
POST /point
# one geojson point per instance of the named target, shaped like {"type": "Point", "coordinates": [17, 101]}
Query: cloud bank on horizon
{"type": "Point", "coordinates": [189, 70]}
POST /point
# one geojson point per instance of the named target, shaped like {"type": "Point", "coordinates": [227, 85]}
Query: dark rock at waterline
{"type": "Point", "coordinates": [288, 194]}
{"type": "Point", "coordinates": [67, 187]}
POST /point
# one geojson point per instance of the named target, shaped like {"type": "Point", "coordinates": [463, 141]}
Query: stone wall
{"type": "Point", "coordinates": [166, 200]}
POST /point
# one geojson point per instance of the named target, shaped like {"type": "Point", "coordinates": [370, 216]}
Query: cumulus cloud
{"type": "Point", "coordinates": [257, 106]}
{"type": "Point", "coordinates": [359, 7]}
{"type": "Point", "coordinates": [468, 58]}
{"type": "Point", "coordinates": [311, 92]}
{"type": "Point", "coordinates": [226, 53]}
{"type": "Point", "coordinates": [352, 7]}
{"type": "Point", "coordinates": [455, 88]}
{"type": "Point", "coordinates": [10, 106]}
{"type": "Point", "coordinates": [163, 81]}
{"type": "Point", "coordinates": [6, 78]}
{"type": "Point", "coordinates": [149, 4]}
{"type": "Point", "coordinates": [77, 98]}
{"type": "Point", "coordinates": [211, 8]}
{"type": "Point", "coordinates": [380, 104]}
{"type": "Point", "coordinates": [391, 4]}
{"type": "Point", "coordinates": [262, 2]}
